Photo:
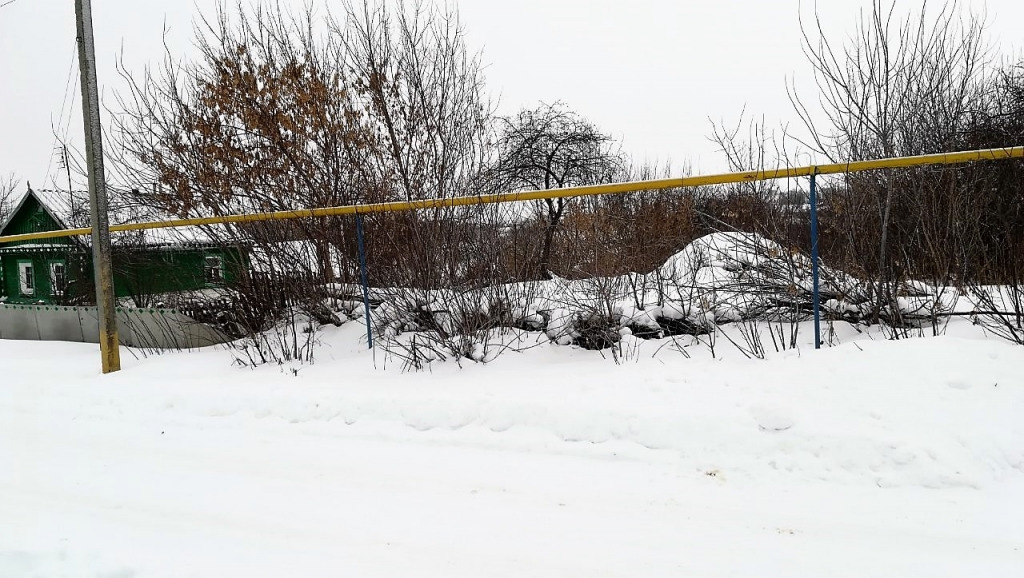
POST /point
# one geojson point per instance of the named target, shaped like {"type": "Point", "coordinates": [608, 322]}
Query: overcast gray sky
{"type": "Point", "coordinates": [650, 72]}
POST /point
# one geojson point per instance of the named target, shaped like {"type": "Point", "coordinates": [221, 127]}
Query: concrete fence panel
{"type": "Point", "coordinates": [18, 322]}
{"type": "Point", "coordinates": [90, 321]}
{"type": "Point", "coordinates": [146, 328]}
{"type": "Point", "coordinates": [58, 323]}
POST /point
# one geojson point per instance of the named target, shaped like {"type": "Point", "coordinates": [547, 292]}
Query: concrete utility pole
{"type": "Point", "coordinates": [109, 350]}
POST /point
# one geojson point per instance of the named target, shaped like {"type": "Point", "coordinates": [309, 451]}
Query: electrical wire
{"type": "Point", "coordinates": [63, 127]}
{"type": "Point", "coordinates": [71, 107]}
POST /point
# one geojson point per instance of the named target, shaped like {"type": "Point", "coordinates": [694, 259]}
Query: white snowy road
{"type": "Point", "coordinates": [154, 499]}
{"type": "Point", "coordinates": [119, 478]}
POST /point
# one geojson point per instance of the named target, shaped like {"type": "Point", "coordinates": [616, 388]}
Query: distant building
{"type": "Point", "coordinates": [145, 263]}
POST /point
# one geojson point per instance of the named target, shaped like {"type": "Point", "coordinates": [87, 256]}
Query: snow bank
{"type": "Point", "coordinates": [933, 413]}
{"type": "Point", "coordinates": [717, 279]}
{"type": "Point", "coordinates": [856, 460]}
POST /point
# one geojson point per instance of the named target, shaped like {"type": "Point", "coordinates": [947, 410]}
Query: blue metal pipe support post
{"type": "Point", "coordinates": [362, 279]}
{"type": "Point", "coordinates": [815, 294]}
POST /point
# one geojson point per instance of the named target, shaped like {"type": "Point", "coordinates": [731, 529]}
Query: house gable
{"type": "Point", "coordinates": [37, 270]}
{"type": "Point", "coordinates": [31, 216]}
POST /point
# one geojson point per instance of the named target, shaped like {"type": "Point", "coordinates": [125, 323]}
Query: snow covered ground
{"type": "Point", "coordinates": [870, 458]}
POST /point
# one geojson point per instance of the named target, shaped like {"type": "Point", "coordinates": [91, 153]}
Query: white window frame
{"type": "Point", "coordinates": [57, 289]}
{"type": "Point", "coordinates": [26, 278]}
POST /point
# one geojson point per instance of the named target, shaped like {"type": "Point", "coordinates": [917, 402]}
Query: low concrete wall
{"type": "Point", "coordinates": [148, 328]}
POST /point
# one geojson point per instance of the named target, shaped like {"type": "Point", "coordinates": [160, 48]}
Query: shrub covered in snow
{"type": "Point", "coordinates": [719, 278]}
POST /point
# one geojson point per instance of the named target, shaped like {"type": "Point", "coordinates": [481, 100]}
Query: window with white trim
{"type": "Point", "coordinates": [58, 278]}
{"type": "Point", "coordinates": [26, 278]}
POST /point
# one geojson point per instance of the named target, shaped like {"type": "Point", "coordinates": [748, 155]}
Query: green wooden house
{"type": "Point", "coordinates": [146, 264]}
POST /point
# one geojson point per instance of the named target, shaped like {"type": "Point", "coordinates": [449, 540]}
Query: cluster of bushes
{"type": "Point", "coordinates": [377, 103]}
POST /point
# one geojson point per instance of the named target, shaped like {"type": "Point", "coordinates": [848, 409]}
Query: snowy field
{"type": "Point", "coordinates": [870, 458]}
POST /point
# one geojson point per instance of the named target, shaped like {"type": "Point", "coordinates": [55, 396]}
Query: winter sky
{"type": "Point", "coordinates": [653, 73]}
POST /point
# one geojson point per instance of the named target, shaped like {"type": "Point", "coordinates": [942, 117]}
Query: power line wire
{"type": "Point", "coordinates": [71, 106]}
{"type": "Point", "coordinates": [8, 2]}
{"type": "Point", "coordinates": [62, 128]}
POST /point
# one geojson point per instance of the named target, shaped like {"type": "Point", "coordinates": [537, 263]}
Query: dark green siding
{"type": "Point", "coordinates": [43, 289]}
{"type": "Point", "coordinates": [32, 218]}
{"type": "Point", "coordinates": [138, 271]}
{"type": "Point", "coordinates": [148, 271]}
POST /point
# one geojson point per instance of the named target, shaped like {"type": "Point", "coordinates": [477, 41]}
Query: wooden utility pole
{"type": "Point", "coordinates": [102, 272]}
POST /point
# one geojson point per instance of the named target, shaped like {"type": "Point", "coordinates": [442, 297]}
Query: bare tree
{"type": "Point", "coordinates": [8, 185]}
{"type": "Point", "coordinates": [423, 94]}
{"type": "Point", "coordinates": [429, 121]}
{"type": "Point", "coordinates": [997, 233]}
{"type": "Point", "coordinates": [902, 85]}
{"type": "Point", "coordinates": [282, 111]}
{"type": "Point", "coordinates": [552, 147]}
{"type": "Point", "coordinates": [264, 120]}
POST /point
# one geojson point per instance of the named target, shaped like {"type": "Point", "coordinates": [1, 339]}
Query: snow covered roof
{"type": "Point", "coordinates": [298, 256]}
{"type": "Point", "coordinates": [70, 209]}
{"type": "Point", "coordinates": [21, 203]}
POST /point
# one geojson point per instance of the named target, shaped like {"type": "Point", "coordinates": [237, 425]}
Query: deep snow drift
{"type": "Point", "coordinates": [717, 279]}
{"type": "Point", "coordinates": [871, 458]}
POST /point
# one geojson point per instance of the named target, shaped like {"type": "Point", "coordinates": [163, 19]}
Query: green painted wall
{"type": "Point", "coordinates": [43, 287]}
{"type": "Point", "coordinates": [148, 271]}
{"type": "Point", "coordinates": [32, 218]}
{"type": "Point", "coordinates": [137, 271]}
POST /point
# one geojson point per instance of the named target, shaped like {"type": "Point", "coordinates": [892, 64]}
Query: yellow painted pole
{"type": "Point", "coordinates": [613, 188]}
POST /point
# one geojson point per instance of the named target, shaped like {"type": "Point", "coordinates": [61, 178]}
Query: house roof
{"type": "Point", "coordinates": [21, 203]}
{"type": "Point", "coordinates": [296, 256]}
{"type": "Point", "coordinates": [70, 210]}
